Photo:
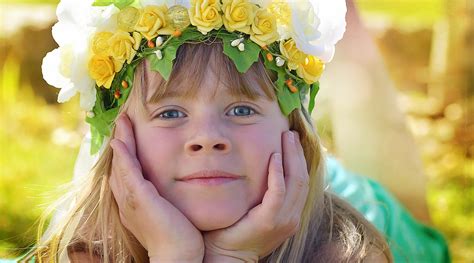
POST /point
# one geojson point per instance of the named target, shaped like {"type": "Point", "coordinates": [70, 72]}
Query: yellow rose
{"type": "Point", "coordinates": [100, 43]}
{"type": "Point", "coordinates": [127, 19]}
{"type": "Point", "coordinates": [153, 22]}
{"type": "Point", "coordinates": [311, 69]}
{"type": "Point", "coordinates": [238, 15]}
{"type": "Point", "coordinates": [264, 28]}
{"type": "Point", "coordinates": [204, 14]}
{"type": "Point", "coordinates": [293, 55]}
{"type": "Point", "coordinates": [102, 69]}
{"type": "Point", "coordinates": [123, 47]}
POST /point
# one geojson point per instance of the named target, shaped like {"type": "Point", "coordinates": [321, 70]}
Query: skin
{"type": "Point", "coordinates": [241, 220]}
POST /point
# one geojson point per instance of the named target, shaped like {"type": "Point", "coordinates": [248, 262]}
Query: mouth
{"type": "Point", "coordinates": [210, 177]}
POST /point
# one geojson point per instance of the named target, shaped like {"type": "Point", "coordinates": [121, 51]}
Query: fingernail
{"type": "Point", "coordinates": [291, 136]}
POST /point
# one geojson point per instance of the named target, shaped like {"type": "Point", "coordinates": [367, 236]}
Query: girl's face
{"type": "Point", "coordinates": [212, 134]}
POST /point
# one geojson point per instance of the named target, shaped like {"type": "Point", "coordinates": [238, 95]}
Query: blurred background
{"type": "Point", "coordinates": [427, 48]}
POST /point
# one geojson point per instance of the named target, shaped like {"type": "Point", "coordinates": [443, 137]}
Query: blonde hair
{"type": "Point", "coordinates": [330, 230]}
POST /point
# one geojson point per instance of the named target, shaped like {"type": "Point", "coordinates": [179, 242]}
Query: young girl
{"type": "Point", "coordinates": [204, 166]}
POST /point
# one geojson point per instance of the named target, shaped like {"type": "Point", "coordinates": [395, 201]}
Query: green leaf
{"type": "Point", "coordinates": [164, 65]}
{"type": "Point", "coordinates": [243, 60]}
{"type": "Point", "coordinates": [190, 33]}
{"type": "Point", "coordinates": [121, 4]}
{"type": "Point", "coordinates": [287, 100]}
{"type": "Point", "coordinates": [101, 125]}
{"type": "Point", "coordinates": [312, 96]}
{"type": "Point", "coordinates": [129, 76]}
{"type": "Point", "coordinates": [103, 121]}
{"type": "Point", "coordinates": [102, 2]}
{"type": "Point", "coordinates": [96, 140]}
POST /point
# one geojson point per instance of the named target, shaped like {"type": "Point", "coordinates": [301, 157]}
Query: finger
{"type": "Point", "coordinates": [275, 195]}
{"type": "Point", "coordinates": [300, 150]}
{"type": "Point", "coordinates": [117, 187]}
{"type": "Point", "coordinates": [300, 203]}
{"type": "Point", "coordinates": [124, 132]}
{"type": "Point", "coordinates": [296, 175]}
{"type": "Point", "coordinates": [125, 166]}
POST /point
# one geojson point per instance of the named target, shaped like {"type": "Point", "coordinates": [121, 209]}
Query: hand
{"type": "Point", "coordinates": [160, 227]}
{"type": "Point", "coordinates": [269, 224]}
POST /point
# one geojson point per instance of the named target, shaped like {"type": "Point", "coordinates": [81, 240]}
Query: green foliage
{"type": "Point", "coordinates": [243, 60]}
{"type": "Point", "coordinates": [287, 100]}
{"type": "Point", "coordinates": [312, 96]}
{"type": "Point", "coordinates": [121, 4]}
{"type": "Point", "coordinates": [164, 65]}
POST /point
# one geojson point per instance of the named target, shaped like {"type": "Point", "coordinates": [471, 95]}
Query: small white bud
{"type": "Point", "coordinates": [158, 54]}
{"type": "Point", "coordinates": [279, 61]}
{"type": "Point", "coordinates": [159, 41]}
{"type": "Point", "coordinates": [241, 47]}
{"type": "Point", "coordinates": [90, 114]}
{"type": "Point", "coordinates": [235, 43]}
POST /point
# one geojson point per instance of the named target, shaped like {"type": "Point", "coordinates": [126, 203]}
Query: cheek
{"type": "Point", "coordinates": [256, 148]}
{"type": "Point", "coordinates": [155, 151]}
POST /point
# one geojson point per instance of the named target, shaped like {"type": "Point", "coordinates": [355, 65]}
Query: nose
{"type": "Point", "coordinates": [208, 142]}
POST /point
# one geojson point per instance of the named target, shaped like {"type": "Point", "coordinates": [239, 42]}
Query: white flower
{"type": "Point", "coordinates": [236, 42]}
{"type": "Point", "coordinates": [317, 25]}
{"type": "Point", "coordinates": [159, 55]}
{"type": "Point", "coordinates": [279, 61]}
{"type": "Point", "coordinates": [159, 41]}
{"type": "Point", "coordinates": [66, 67]}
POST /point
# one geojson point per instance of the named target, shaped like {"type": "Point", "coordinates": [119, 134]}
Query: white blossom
{"type": "Point", "coordinates": [66, 67]}
{"type": "Point", "coordinates": [317, 25]}
{"type": "Point", "coordinates": [279, 61]}
{"type": "Point", "coordinates": [159, 41]}
{"type": "Point", "coordinates": [159, 54]}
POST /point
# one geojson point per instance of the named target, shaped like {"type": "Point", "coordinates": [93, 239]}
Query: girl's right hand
{"type": "Point", "coordinates": [161, 228]}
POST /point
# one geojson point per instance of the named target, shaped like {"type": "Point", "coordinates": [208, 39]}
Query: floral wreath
{"type": "Point", "coordinates": [102, 41]}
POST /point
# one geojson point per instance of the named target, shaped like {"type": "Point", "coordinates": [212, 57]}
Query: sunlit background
{"type": "Point", "coordinates": [426, 46]}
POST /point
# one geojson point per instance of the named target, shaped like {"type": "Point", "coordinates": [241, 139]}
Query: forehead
{"type": "Point", "coordinates": [216, 75]}
{"type": "Point", "coordinates": [207, 90]}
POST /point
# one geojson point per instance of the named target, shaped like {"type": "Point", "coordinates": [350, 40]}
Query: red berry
{"type": "Point", "coordinates": [117, 94]}
{"type": "Point", "coordinates": [124, 84]}
{"type": "Point", "coordinates": [150, 44]}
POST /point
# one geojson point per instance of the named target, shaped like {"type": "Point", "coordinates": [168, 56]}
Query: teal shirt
{"type": "Point", "coordinates": [409, 240]}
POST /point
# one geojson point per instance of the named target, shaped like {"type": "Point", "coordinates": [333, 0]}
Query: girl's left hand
{"type": "Point", "coordinates": [269, 224]}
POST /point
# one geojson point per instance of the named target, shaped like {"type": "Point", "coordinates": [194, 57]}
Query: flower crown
{"type": "Point", "coordinates": [102, 41]}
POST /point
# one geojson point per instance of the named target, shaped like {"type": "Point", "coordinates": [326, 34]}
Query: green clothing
{"type": "Point", "coordinates": [409, 240]}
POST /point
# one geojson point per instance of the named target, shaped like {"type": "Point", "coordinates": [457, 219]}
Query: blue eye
{"type": "Point", "coordinates": [243, 111]}
{"type": "Point", "coordinates": [171, 114]}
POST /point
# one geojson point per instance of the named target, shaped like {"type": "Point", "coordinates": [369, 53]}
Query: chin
{"type": "Point", "coordinates": [208, 217]}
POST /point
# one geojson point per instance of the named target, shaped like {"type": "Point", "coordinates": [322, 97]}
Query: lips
{"type": "Point", "coordinates": [210, 174]}
{"type": "Point", "coordinates": [210, 178]}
